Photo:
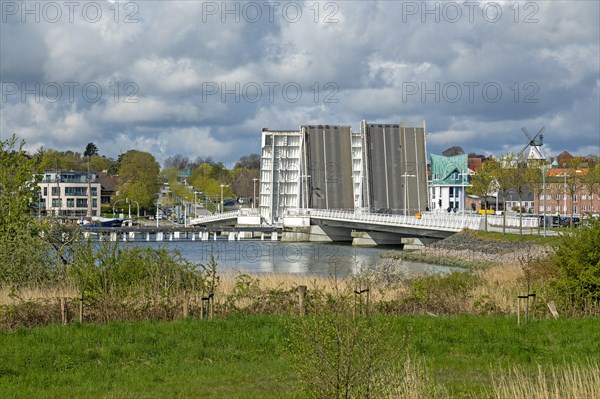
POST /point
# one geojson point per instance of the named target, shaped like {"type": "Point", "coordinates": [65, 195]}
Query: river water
{"type": "Point", "coordinates": [254, 256]}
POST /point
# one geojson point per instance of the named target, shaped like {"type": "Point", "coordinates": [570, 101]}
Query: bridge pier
{"type": "Point", "coordinates": [375, 238]}
{"type": "Point", "coordinates": [316, 233]}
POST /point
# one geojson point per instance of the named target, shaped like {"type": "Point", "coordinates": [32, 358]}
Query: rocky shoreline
{"type": "Point", "coordinates": [464, 249]}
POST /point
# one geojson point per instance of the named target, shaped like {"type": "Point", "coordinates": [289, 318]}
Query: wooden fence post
{"type": "Point", "coordinates": [186, 303]}
{"type": "Point", "coordinates": [63, 311]}
{"type": "Point", "coordinates": [81, 307]}
{"type": "Point", "coordinates": [302, 299]}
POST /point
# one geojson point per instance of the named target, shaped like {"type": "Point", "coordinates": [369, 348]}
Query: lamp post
{"type": "Point", "coordinates": [405, 175]}
{"type": "Point", "coordinates": [115, 204]}
{"type": "Point", "coordinates": [222, 205]}
{"type": "Point", "coordinates": [254, 180]}
{"type": "Point", "coordinates": [305, 192]}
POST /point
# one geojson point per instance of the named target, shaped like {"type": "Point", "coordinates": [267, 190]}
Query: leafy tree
{"type": "Point", "coordinates": [521, 176]}
{"type": "Point", "coordinates": [18, 186]}
{"type": "Point", "coordinates": [138, 177]}
{"type": "Point", "coordinates": [90, 150]}
{"type": "Point", "coordinates": [25, 258]}
{"type": "Point", "coordinates": [503, 181]}
{"type": "Point", "coordinates": [574, 179]}
{"type": "Point", "coordinates": [591, 180]}
{"type": "Point", "coordinates": [177, 162]}
{"type": "Point", "coordinates": [251, 161]}
{"type": "Point", "coordinates": [482, 183]}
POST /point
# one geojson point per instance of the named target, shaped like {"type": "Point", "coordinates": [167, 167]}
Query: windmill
{"type": "Point", "coordinates": [535, 144]}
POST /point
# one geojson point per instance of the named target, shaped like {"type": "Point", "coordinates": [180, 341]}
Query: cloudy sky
{"type": "Point", "coordinates": [203, 78]}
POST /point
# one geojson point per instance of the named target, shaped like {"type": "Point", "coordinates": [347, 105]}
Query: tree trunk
{"type": "Point", "coordinates": [503, 215]}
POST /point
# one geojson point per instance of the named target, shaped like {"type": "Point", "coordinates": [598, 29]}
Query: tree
{"type": "Point", "coordinates": [18, 186]}
{"type": "Point", "coordinates": [521, 178]}
{"type": "Point", "coordinates": [503, 180]}
{"type": "Point", "coordinates": [251, 161]}
{"type": "Point", "coordinates": [454, 150]}
{"type": "Point", "coordinates": [482, 183]}
{"type": "Point", "coordinates": [574, 178]}
{"type": "Point", "coordinates": [138, 178]}
{"type": "Point", "coordinates": [25, 257]}
{"type": "Point", "coordinates": [591, 180]}
{"type": "Point", "coordinates": [177, 162]}
{"type": "Point", "coordinates": [90, 150]}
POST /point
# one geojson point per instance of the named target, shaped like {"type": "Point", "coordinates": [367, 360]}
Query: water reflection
{"type": "Point", "coordinates": [281, 257]}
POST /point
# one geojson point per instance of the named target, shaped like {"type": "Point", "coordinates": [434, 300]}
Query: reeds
{"type": "Point", "coordinates": [568, 381]}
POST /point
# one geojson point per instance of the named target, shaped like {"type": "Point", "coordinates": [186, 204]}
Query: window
{"type": "Point", "coordinates": [454, 176]}
{"type": "Point", "coordinates": [70, 202]}
{"type": "Point", "coordinates": [549, 208]}
{"type": "Point", "coordinates": [574, 197]}
{"type": "Point", "coordinates": [81, 202]}
{"type": "Point", "coordinates": [583, 208]}
{"type": "Point", "coordinates": [55, 191]}
{"type": "Point", "coordinates": [575, 209]}
{"type": "Point", "coordinates": [56, 203]}
{"type": "Point", "coordinates": [94, 191]}
{"type": "Point", "coordinates": [94, 202]}
{"type": "Point", "coordinates": [541, 208]}
{"type": "Point", "coordinates": [45, 191]}
{"type": "Point", "coordinates": [583, 196]}
{"type": "Point", "coordinates": [76, 191]}
{"type": "Point", "coordinates": [451, 191]}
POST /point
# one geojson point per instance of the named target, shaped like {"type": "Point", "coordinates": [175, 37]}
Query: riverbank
{"type": "Point", "coordinates": [475, 250]}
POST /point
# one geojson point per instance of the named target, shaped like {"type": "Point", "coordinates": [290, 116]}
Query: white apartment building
{"type": "Point", "coordinates": [69, 194]}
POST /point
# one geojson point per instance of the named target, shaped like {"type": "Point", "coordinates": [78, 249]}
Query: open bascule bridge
{"type": "Point", "coordinates": [325, 183]}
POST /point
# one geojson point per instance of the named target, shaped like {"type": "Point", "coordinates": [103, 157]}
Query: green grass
{"type": "Point", "coordinates": [512, 237]}
{"type": "Point", "coordinates": [247, 357]}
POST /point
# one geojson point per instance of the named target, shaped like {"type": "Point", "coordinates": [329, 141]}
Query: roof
{"type": "Point", "coordinates": [442, 168]}
{"type": "Point", "coordinates": [108, 182]}
{"type": "Point", "coordinates": [556, 172]}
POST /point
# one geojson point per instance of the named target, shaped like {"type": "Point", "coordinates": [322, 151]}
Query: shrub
{"type": "Point", "coordinates": [577, 256]}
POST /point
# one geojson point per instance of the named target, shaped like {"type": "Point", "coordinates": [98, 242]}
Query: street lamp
{"type": "Point", "coordinates": [254, 180]}
{"type": "Point", "coordinates": [222, 205]}
{"type": "Point", "coordinates": [115, 204]}
{"type": "Point", "coordinates": [405, 175]}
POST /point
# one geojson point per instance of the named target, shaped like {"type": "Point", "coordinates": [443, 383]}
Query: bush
{"type": "Point", "coordinates": [577, 256]}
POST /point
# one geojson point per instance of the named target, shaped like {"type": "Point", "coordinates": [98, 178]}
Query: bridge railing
{"type": "Point", "coordinates": [215, 217]}
{"type": "Point", "coordinates": [438, 222]}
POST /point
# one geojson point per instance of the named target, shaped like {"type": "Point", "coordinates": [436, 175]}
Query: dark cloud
{"type": "Point", "coordinates": [187, 77]}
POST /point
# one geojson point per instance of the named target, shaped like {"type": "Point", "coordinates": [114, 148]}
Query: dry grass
{"type": "Point", "coordinates": [10, 297]}
{"type": "Point", "coordinates": [560, 382]}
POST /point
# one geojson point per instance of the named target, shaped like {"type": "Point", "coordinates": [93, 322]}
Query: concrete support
{"type": "Point", "coordinates": [374, 238]}
{"type": "Point", "coordinates": [193, 236]}
{"type": "Point", "coordinates": [274, 236]}
{"type": "Point", "coordinates": [231, 236]}
{"type": "Point", "coordinates": [160, 236]}
{"type": "Point", "coordinates": [86, 235]}
{"type": "Point", "coordinates": [113, 236]}
{"type": "Point", "coordinates": [316, 233]}
{"type": "Point", "coordinates": [132, 235]}
{"type": "Point", "coordinates": [147, 236]}
{"type": "Point", "coordinates": [176, 235]}
{"type": "Point", "coordinates": [262, 236]}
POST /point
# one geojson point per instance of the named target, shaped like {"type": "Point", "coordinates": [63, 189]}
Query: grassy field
{"type": "Point", "coordinates": [248, 357]}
